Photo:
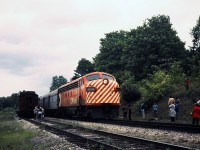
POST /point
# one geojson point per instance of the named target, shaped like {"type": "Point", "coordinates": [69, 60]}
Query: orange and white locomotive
{"type": "Point", "coordinates": [94, 95]}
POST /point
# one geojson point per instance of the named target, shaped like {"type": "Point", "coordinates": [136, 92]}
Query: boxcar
{"type": "Point", "coordinates": [26, 102]}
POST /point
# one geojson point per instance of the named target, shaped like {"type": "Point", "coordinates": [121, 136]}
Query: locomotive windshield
{"type": "Point", "coordinates": [92, 77]}
{"type": "Point", "coordinates": [107, 77]}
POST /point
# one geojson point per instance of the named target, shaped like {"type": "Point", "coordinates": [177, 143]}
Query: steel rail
{"type": "Point", "coordinates": [130, 139]}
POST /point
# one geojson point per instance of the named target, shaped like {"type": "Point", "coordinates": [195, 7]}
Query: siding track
{"type": "Point", "coordinates": [96, 139]}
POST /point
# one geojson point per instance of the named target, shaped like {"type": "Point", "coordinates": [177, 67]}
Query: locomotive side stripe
{"type": "Point", "coordinates": [90, 95]}
{"type": "Point", "coordinates": [108, 97]}
{"type": "Point", "coordinates": [96, 94]}
{"type": "Point", "coordinates": [117, 100]}
{"type": "Point", "coordinates": [105, 92]}
{"type": "Point", "coordinates": [92, 83]}
{"type": "Point", "coordinates": [110, 100]}
{"type": "Point", "coordinates": [113, 98]}
{"type": "Point", "coordinates": [100, 87]}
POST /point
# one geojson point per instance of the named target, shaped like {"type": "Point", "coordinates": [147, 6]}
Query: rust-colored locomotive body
{"type": "Point", "coordinates": [95, 94]}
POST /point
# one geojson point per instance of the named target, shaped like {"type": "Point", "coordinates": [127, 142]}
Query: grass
{"type": "Point", "coordinates": [12, 135]}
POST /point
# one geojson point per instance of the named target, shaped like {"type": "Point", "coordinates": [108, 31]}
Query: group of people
{"type": "Point", "coordinates": [154, 109]}
{"type": "Point", "coordinates": [174, 110]}
{"type": "Point", "coordinates": [38, 112]}
{"type": "Point", "coordinates": [173, 105]}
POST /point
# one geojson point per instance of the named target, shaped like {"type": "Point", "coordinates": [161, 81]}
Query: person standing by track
{"type": "Point", "coordinates": [172, 112]}
{"type": "Point", "coordinates": [142, 109]}
{"type": "Point", "coordinates": [155, 110]}
{"type": "Point", "coordinates": [196, 114]}
{"type": "Point", "coordinates": [177, 105]}
{"type": "Point", "coordinates": [36, 110]}
{"type": "Point", "coordinates": [42, 112]}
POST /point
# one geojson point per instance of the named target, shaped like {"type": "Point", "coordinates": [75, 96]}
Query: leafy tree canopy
{"type": "Point", "coordinates": [129, 89]}
{"type": "Point", "coordinates": [57, 81]}
{"type": "Point", "coordinates": [84, 67]}
{"type": "Point", "coordinates": [192, 61]}
{"type": "Point", "coordinates": [111, 50]}
{"type": "Point", "coordinates": [154, 44]}
{"type": "Point", "coordinates": [9, 101]}
{"type": "Point", "coordinates": [195, 33]}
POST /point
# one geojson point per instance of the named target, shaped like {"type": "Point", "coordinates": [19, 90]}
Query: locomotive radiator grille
{"type": "Point", "coordinates": [105, 92]}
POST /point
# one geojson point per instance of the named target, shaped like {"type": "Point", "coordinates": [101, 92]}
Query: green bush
{"type": "Point", "coordinates": [156, 86]}
{"type": "Point", "coordinates": [7, 114]}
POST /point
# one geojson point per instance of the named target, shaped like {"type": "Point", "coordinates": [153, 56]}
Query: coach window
{"type": "Point", "coordinates": [107, 77]}
{"type": "Point", "coordinates": [92, 77]}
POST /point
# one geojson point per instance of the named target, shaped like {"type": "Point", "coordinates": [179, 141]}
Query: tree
{"type": "Point", "coordinates": [129, 89]}
{"type": "Point", "coordinates": [194, 57]}
{"type": "Point", "coordinates": [84, 67]}
{"type": "Point", "coordinates": [9, 101]}
{"type": "Point", "coordinates": [156, 86]}
{"type": "Point", "coordinates": [195, 33]}
{"type": "Point", "coordinates": [57, 81]}
{"type": "Point", "coordinates": [111, 50]}
{"type": "Point", "coordinates": [154, 44]}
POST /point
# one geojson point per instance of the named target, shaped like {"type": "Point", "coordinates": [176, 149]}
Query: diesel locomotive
{"type": "Point", "coordinates": [95, 95]}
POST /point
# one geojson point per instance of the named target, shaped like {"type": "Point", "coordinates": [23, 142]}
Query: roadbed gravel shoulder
{"type": "Point", "coordinates": [47, 140]}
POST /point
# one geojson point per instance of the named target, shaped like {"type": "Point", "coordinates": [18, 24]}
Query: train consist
{"type": "Point", "coordinates": [26, 102]}
{"type": "Point", "coordinates": [94, 95]}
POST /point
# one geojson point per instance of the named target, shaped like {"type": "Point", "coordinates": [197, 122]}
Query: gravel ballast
{"type": "Point", "coordinates": [167, 136]}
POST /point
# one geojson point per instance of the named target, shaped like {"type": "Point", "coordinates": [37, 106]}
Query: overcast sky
{"type": "Point", "coordinates": [40, 39]}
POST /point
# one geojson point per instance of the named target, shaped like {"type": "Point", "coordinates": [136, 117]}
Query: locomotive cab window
{"type": "Point", "coordinates": [107, 77]}
{"type": "Point", "coordinates": [92, 77]}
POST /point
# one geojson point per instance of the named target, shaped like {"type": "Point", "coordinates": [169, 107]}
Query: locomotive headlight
{"type": "Point", "coordinates": [105, 81]}
{"type": "Point", "coordinates": [90, 89]}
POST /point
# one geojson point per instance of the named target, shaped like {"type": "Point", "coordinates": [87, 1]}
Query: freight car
{"type": "Point", "coordinates": [26, 102]}
{"type": "Point", "coordinates": [94, 95]}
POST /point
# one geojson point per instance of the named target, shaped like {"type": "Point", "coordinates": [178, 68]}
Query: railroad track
{"type": "Point", "coordinates": [95, 139]}
{"type": "Point", "coordinates": [189, 128]}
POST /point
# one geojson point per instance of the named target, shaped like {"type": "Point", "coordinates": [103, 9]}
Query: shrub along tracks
{"type": "Point", "coordinates": [96, 139]}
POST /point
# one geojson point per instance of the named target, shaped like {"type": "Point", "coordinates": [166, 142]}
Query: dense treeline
{"type": "Point", "coordinates": [9, 101]}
